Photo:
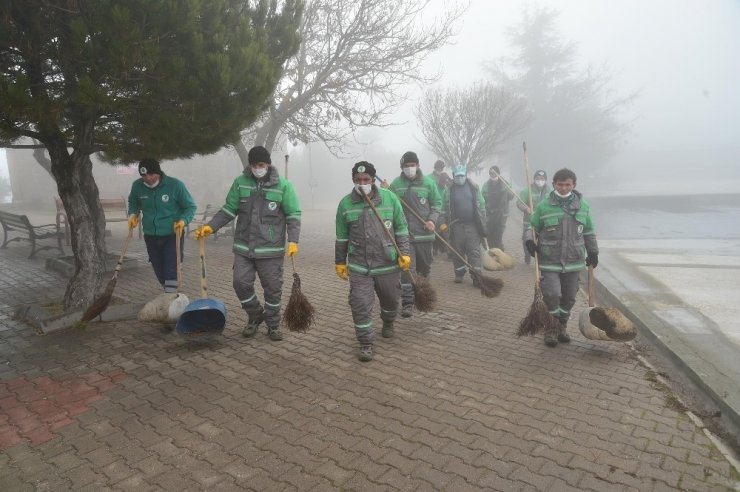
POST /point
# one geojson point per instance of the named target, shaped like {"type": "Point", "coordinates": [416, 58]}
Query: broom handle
{"type": "Point", "coordinates": [387, 232]}
{"type": "Point", "coordinates": [292, 262]}
{"type": "Point", "coordinates": [434, 231]}
{"type": "Point", "coordinates": [202, 253]}
{"type": "Point", "coordinates": [508, 187]}
{"type": "Point", "coordinates": [123, 253]}
{"type": "Point", "coordinates": [531, 210]}
{"type": "Point", "coordinates": [177, 253]}
{"type": "Point", "coordinates": [380, 219]}
{"type": "Point", "coordinates": [590, 286]}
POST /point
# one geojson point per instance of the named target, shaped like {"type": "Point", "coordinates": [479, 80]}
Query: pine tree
{"type": "Point", "coordinates": [153, 78]}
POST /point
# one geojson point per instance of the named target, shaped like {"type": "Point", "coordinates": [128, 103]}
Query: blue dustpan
{"type": "Point", "coordinates": [202, 317]}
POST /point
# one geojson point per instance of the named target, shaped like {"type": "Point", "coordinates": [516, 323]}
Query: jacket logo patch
{"type": "Point", "coordinates": [388, 224]}
{"type": "Point", "coordinates": [423, 200]}
{"type": "Point", "coordinates": [580, 228]}
{"type": "Point", "coordinates": [272, 205]}
{"type": "Point", "coordinates": [165, 198]}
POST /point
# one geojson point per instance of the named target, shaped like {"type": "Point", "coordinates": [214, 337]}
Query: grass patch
{"type": "Point", "coordinates": [54, 308]}
{"type": "Point", "coordinates": [671, 400]}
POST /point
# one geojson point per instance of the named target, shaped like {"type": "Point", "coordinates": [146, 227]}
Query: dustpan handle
{"type": "Point", "coordinates": [178, 253]}
{"type": "Point", "coordinates": [123, 253]}
{"type": "Point", "coordinates": [202, 253]}
{"type": "Point", "coordinates": [590, 286]}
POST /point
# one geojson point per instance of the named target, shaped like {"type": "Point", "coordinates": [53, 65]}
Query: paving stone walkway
{"type": "Point", "coordinates": [454, 402]}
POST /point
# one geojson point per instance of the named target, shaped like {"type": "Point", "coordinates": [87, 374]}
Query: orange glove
{"type": "Point", "coordinates": [404, 262]}
{"type": "Point", "coordinates": [292, 249]}
{"type": "Point", "coordinates": [203, 231]}
{"type": "Point", "coordinates": [341, 270]}
{"type": "Point", "coordinates": [179, 226]}
{"type": "Point", "coordinates": [133, 221]}
{"type": "Point", "coordinates": [442, 227]}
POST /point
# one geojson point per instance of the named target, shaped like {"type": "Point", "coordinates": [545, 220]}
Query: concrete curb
{"type": "Point", "coordinates": [46, 323]}
{"type": "Point", "coordinates": [714, 371]}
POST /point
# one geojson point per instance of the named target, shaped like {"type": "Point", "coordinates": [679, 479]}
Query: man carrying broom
{"type": "Point", "coordinates": [267, 211]}
{"type": "Point", "coordinates": [566, 238]}
{"type": "Point", "coordinates": [420, 193]}
{"type": "Point", "coordinates": [539, 191]}
{"type": "Point", "coordinates": [464, 215]}
{"type": "Point", "coordinates": [166, 207]}
{"type": "Point", "coordinates": [497, 197]}
{"type": "Point", "coordinates": [371, 231]}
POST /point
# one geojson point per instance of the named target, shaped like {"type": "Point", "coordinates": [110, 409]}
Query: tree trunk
{"type": "Point", "coordinates": [242, 152]}
{"type": "Point", "coordinates": [79, 193]}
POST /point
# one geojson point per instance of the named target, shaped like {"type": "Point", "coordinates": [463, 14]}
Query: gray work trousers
{"type": "Point", "coordinates": [362, 291]}
{"type": "Point", "coordinates": [559, 291]}
{"type": "Point", "coordinates": [421, 263]}
{"type": "Point", "coordinates": [466, 240]}
{"type": "Point", "coordinates": [270, 271]}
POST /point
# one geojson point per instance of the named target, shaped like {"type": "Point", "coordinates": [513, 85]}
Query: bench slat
{"type": "Point", "coordinates": [21, 225]}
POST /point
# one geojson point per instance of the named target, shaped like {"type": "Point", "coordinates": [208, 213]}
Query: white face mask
{"type": "Point", "coordinates": [259, 172]}
{"type": "Point", "coordinates": [153, 185]}
{"type": "Point", "coordinates": [539, 183]}
{"type": "Point", "coordinates": [459, 180]}
{"type": "Point", "coordinates": [409, 172]}
{"type": "Point", "coordinates": [367, 188]}
{"type": "Point", "coordinates": [563, 196]}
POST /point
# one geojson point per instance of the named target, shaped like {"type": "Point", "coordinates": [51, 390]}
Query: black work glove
{"type": "Point", "coordinates": [592, 259]}
{"type": "Point", "coordinates": [531, 247]}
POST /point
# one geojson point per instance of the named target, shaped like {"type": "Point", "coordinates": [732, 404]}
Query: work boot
{"type": "Point", "coordinates": [458, 279]}
{"type": "Point", "coordinates": [563, 337]}
{"type": "Point", "coordinates": [551, 338]}
{"type": "Point", "coordinates": [387, 330]}
{"type": "Point", "coordinates": [366, 353]}
{"type": "Point", "coordinates": [274, 333]}
{"type": "Point", "coordinates": [253, 324]}
{"type": "Point", "coordinates": [407, 310]}
{"type": "Point", "coordinates": [476, 282]}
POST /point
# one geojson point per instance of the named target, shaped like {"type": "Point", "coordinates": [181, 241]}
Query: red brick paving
{"type": "Point", "coordinates": [33, 410]}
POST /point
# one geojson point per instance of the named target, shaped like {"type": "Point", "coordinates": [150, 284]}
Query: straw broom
{"type": "Point", "coordinates": [489, 287]}
{"type": "Point", "coordinates": [425, 297]}
{"type": "Point", "coordinates": [299, 313]}
{"type": "Point", "coordinates": [539, 316]}
{"type": "Point", "coordinates": [101, 303]}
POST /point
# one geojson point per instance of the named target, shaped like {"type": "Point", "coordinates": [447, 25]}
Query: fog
{"type": "Point", "coordinates": [680, 57]}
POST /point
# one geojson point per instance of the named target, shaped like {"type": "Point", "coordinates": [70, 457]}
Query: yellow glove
{"type": "Point", "coordinates": [179, 227]}
{"type": "Point", "coordinates": [203, 231]}
{"type": "Point", "coordinates": [404, 262]}
{"type": "Point", "coordinates": [442, 227]}
{"type": "Point", "coordinates": [292, 249]}
{"type": "Point", "coordinates": [133, 221]}
{"type": "Point", "coordinates": [341, 270]}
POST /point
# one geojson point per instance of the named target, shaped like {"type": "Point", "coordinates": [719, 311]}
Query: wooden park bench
{"type": "Point", "coordinates": [115, 210]}
{"type": "Point", "coordinates": [25, 231]}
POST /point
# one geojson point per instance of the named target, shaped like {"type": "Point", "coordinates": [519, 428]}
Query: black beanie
{"type": "Point", "coordinates": [149, 166]}
{"type": "Point", "coordinates": [439, 165]}
{"type": "Point", "coordinates": [259, 154]}
{"type": "Point", "coordinates": [363, 167]}
{"type": "Point", "coordinates": [409, 157]}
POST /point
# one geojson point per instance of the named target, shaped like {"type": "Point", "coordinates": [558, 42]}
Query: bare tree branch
{"type": "Point", "coordinates": [468, 126]}
{"type": "Point", "coordinates": [355, 58]}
